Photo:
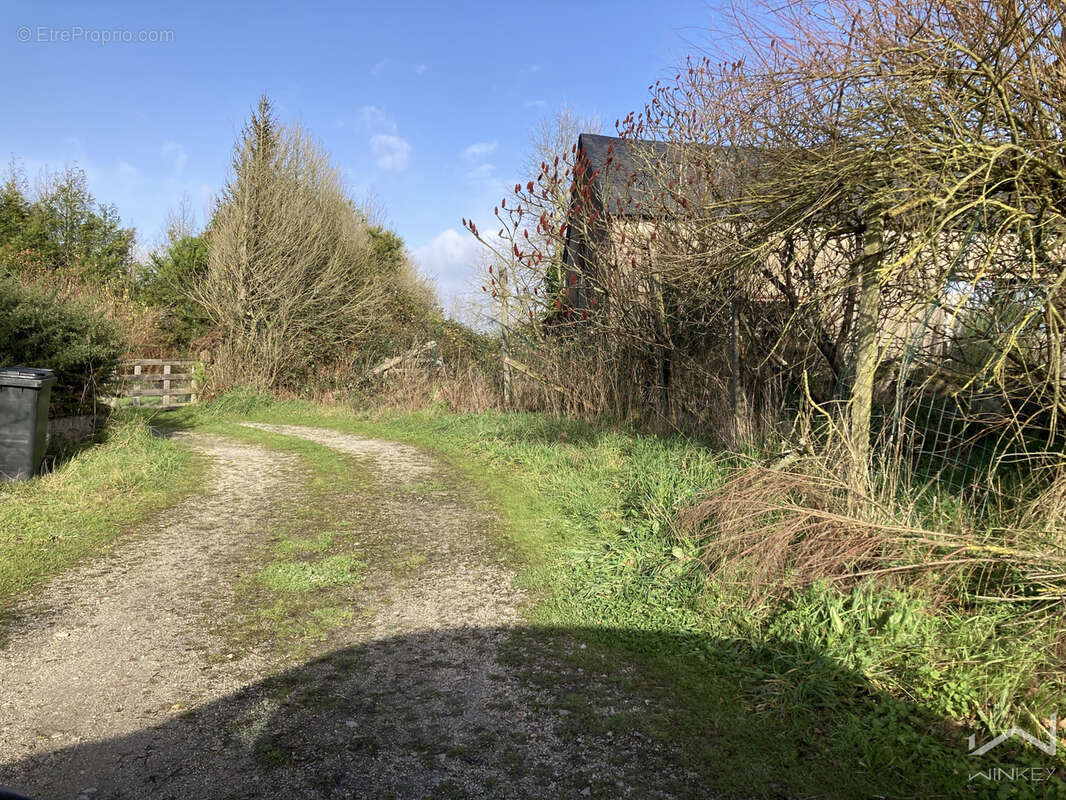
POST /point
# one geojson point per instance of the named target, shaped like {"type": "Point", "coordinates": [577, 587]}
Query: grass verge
{"type": "Point", "coordinates": [50, 523]}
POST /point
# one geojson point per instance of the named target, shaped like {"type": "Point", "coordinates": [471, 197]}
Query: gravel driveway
{"type": "Point", "coordinates": [114, 682]}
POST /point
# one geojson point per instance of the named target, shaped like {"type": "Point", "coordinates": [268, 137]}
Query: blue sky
{"type": "Point", "coordinates": [428, 106]}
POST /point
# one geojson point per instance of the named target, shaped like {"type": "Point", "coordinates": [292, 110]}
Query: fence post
{"type": "Point", "coordinates": [137, 397]}
{"type": "Point", "coordinates": [199, 368]}
{"type": "Point", "coordinates": [166, 386]}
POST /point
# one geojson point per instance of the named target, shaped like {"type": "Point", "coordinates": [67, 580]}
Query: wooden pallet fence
{"type": "Point", "coordinates": [173, 381]}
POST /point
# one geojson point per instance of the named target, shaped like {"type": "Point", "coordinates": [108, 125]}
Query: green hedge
{"type": "Point", "coordinates": [39, 329]}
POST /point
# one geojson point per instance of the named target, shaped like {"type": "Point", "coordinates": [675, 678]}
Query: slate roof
{"type": "Point", "coordinates": [629, 176]}
{"type": "Point", "coordinates": [622, 173]}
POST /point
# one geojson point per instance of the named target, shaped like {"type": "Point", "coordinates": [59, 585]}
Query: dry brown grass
{"type": "Point", "coordinates": [770, 532]}
{"type": "Point", "coordinates": [139, 323]}
{"type": "Point", "coordinates": [463, 388]}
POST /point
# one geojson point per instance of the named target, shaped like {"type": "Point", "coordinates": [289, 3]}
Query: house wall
{"type": "Point", "coordinates": [618, 265]}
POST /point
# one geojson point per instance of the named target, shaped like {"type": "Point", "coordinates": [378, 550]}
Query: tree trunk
{"type": "Point", "coordinates": [505, 339]}
{"type": "Point", "coordinates": [866, 351]}
{"type": "Point", "coordinates": [734, 368]}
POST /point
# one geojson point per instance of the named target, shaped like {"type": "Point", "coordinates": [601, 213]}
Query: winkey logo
{"type": "Point", "coordinates": [1048, 748]}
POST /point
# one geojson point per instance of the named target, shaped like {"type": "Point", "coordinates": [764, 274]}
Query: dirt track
{"type": "Point", "coordinates": [116, 685]}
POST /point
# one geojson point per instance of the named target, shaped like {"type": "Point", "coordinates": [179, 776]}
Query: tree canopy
{"type": "Point", "coordinates": [61, 227]}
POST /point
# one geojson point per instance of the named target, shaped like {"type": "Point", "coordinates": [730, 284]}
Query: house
{"type": "Point", "coordinates": [626, 193]}
{"type": "Point", "coordinates": [617, 197]}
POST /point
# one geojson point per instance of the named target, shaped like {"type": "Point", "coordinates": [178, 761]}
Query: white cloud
{"type": "Point", "coordinates": [388, 67]}
{"type": "Point", "coordinates": [177, 155]}
{"type": "Point", "coordinates": [376, 119]}
{"type": "Point", "coordinates": [482, 172]}
{"type": "Point", "coordinates": [390, 151]}
{"type": "Point", "coordinates": [480, 150]}
{"type": "Point", "coordinates": [206, 194]}
{"type": "Point", "coordinates": [455, 260]}
{"type": "Point", "coordinates": [129, 178]}
{"type": "Point", "coordinates": [534, 103]}
{"type": "Point", "coordinates": [476, 155]}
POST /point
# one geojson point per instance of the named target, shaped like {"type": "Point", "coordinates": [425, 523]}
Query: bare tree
{"type": "Point", "coordinates": [858, 205]}
{"type": "Point", "coordinates": [291, 280]}
{"type": "Point", "coordinates": [181, 221]}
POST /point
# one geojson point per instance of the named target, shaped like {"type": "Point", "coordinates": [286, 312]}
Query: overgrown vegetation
{"type": "Point", "coordinates": [832, 249]}
{"type": "Point", "coordinates": [59, 227]}
{"type": "Point", "coordinates": [297, 279]}
{"type": "Point", "coordinates": [64, 262]}
{"type": "Point", "coordinates": [167, 283]}
{"type": "Point", "coordinates": [41, 328]}
{"type": "Point", "coordinates": [816, 213]}
{"type": "Point", "coordinates": [289, 285]}
{"type": "Point", "coordinates": [839, 266]}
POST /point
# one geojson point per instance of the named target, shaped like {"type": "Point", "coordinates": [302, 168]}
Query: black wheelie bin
{"type": "Point", "coordinates": [24, 394]}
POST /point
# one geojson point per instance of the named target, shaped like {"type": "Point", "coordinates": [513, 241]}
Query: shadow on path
{"type": "Point", "coordinates": [513, 712]}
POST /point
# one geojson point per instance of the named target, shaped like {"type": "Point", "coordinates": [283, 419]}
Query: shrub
{"type": "Point", "coordinates": [41, 329]}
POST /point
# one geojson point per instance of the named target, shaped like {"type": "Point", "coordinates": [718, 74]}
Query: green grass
{"type": "Point", "coordinates": [868, 693]}
{"type": "Point", "coordinates": [304, 582]}
{"type": "Point", "coordinates": [861, 694]}
{"type": "Point", "coordinates": [300, 577]}
{"type": "Point", "coordinates": [50, 523]}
